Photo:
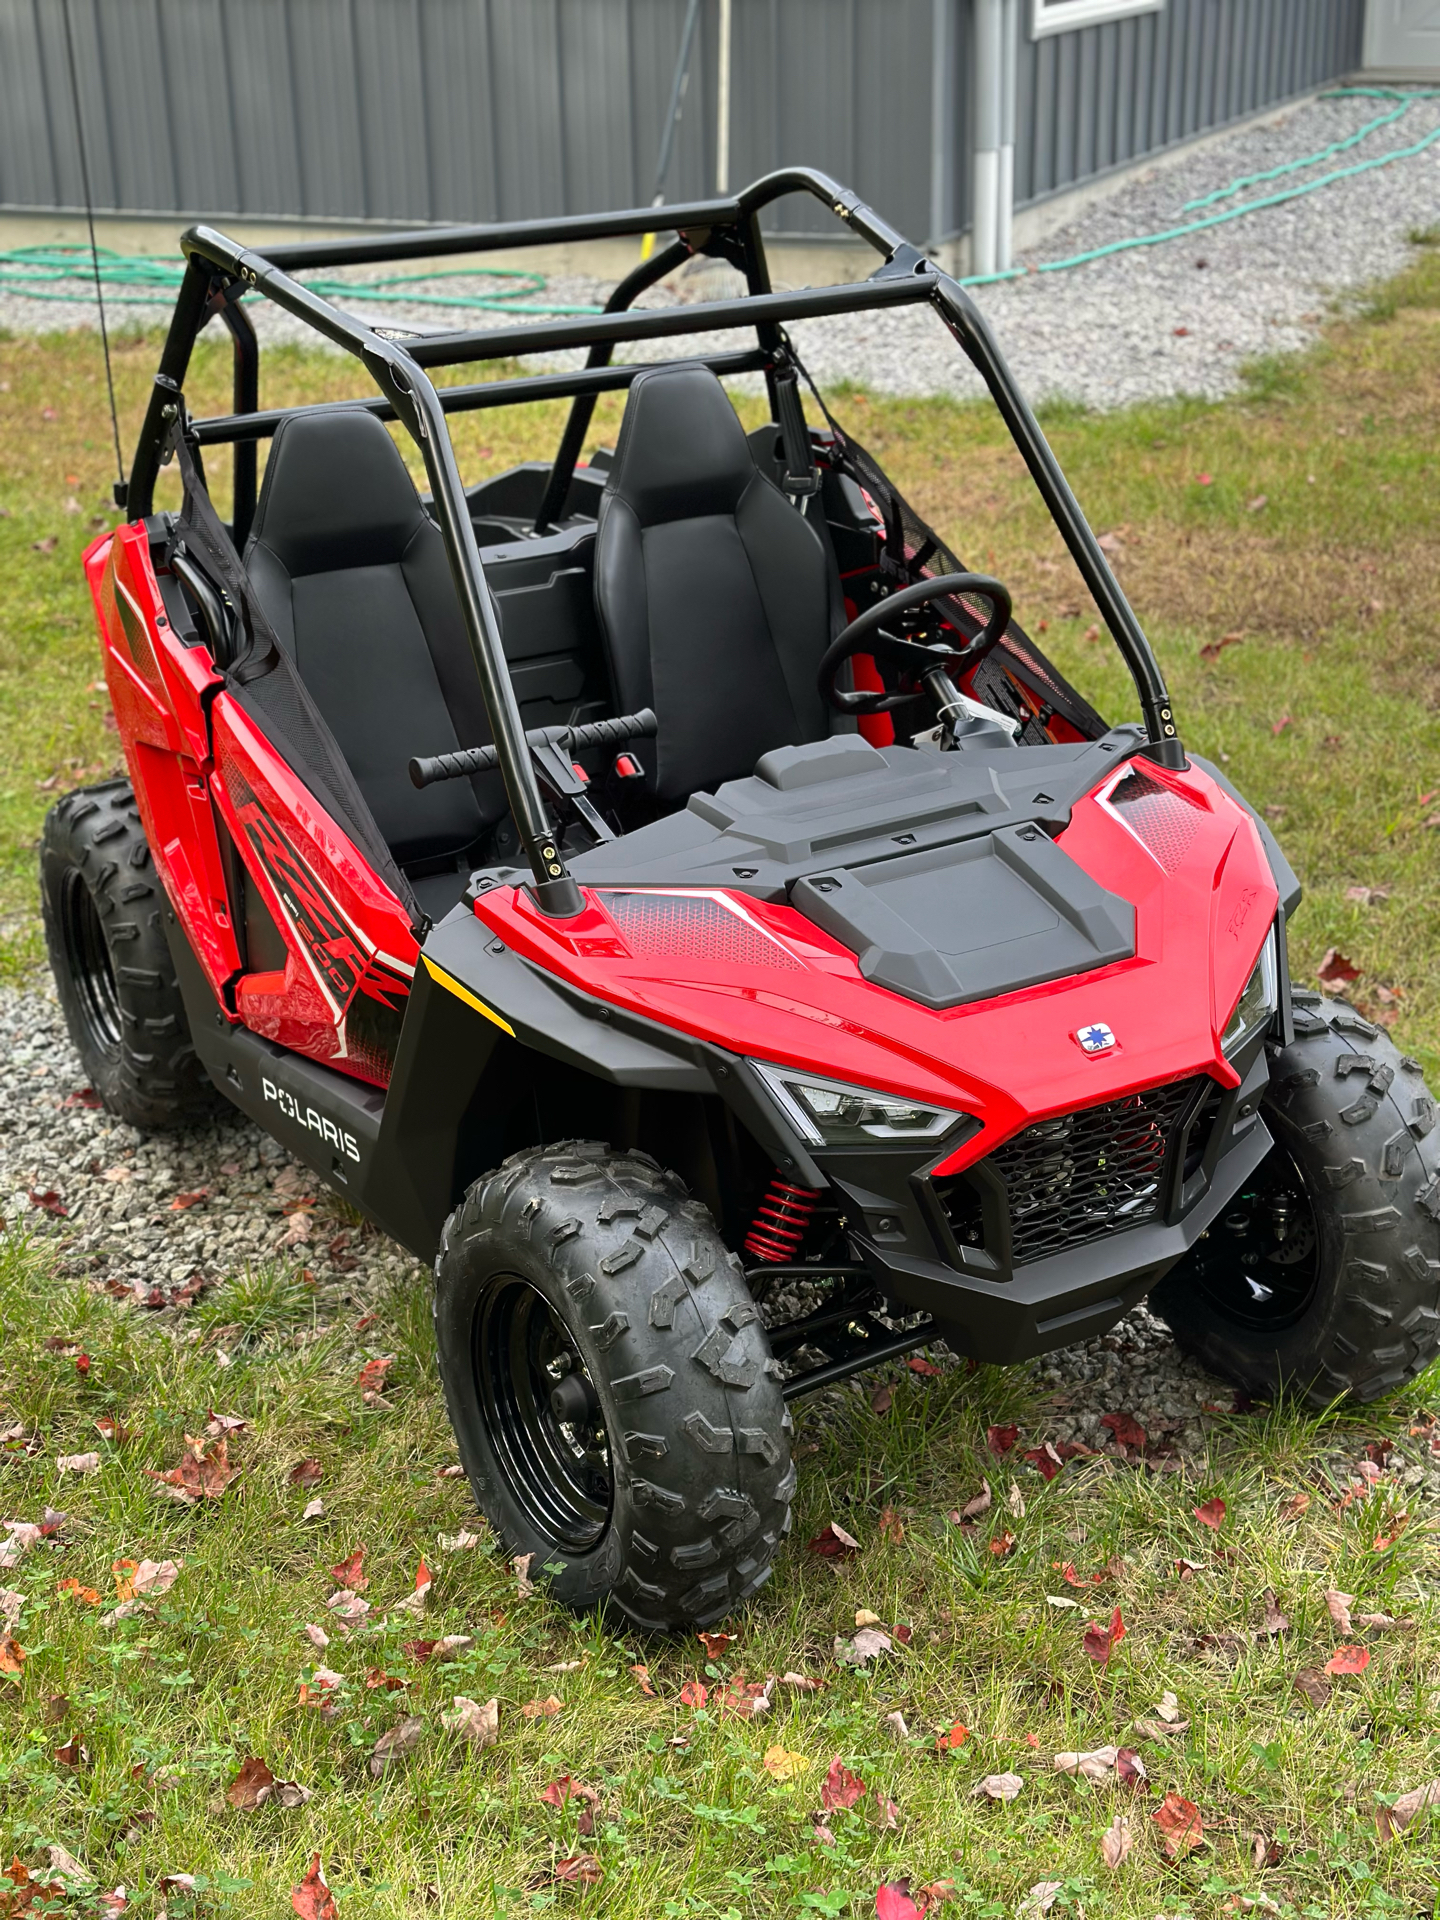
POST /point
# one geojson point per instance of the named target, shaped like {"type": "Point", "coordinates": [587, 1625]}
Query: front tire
{"type": "Point", "coordinates": [611, 1387]}
{"type": "Point", "coordinates": [102, 903]}
{"type": "Point", "coordinates": [1323, 1275]}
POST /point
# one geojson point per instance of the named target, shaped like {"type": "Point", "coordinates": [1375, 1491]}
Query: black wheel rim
{"type": "Point", "coordinates": [89, 960]}
{"type": "Point", "coordinates": [558, 1468]}
{"type": "Point", "coordinates": [1259, 1263]}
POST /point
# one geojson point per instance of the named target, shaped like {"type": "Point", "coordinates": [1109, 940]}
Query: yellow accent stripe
{"type": "Point", "coordinates": [464, 993]}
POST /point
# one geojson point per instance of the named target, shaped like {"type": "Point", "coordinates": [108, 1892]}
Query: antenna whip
{"type": "Point", "coordinates": [120, 487]}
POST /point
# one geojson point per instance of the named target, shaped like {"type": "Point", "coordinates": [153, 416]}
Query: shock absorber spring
{"type": "Point", "coordinates": [778, 1229]}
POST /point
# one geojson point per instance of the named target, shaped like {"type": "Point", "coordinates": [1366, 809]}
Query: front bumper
{"type": "Point", "coordinates": [999, 1311]}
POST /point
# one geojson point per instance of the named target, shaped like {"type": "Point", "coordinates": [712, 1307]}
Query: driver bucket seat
{"type": "Point", "coordinates": [713, 592]}
{"type": "Point", "coordinates": [353, 576]}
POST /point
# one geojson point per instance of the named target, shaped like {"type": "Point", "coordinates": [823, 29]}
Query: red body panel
{"type": "Point", "coordinates": [348, 939]}
{"type": "Point", "coordinates": [1009, 1061]}
{"type": "Point", "coordinates": [351, 953]}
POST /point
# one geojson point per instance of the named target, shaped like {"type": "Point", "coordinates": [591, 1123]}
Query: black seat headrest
{"type": "Point", "coordinates": [682, 451]}
{"type": "Point", "coordinates": [336, 494]}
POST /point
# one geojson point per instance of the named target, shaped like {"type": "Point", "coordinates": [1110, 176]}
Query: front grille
{"type": "Point", "coordinates": [1081, 1177]}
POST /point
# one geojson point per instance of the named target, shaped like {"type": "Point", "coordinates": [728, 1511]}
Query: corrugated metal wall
{"type": "Point", "coordinates": [503, 109]}
{"type": "Point", "coordinates": [1105, 95]}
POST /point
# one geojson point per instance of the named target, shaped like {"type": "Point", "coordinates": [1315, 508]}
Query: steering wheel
{"type": "Point", "coordinates": [911, 653]}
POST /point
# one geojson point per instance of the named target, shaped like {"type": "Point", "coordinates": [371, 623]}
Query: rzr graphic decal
{"type": "Point", "coordinates": [346, 966]}
{"type": "Point", "coordinates": [336, 954]}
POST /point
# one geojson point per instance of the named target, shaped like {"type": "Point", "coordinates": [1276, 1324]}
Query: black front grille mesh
{"type": "Point", "coordinates": [1085, 1175]}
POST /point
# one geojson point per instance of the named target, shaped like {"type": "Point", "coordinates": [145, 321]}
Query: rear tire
{"type": "Point", "coordinates": [102, 903]}
{"type": "Point", "coordinates": [661, 1477]}
{"type": "Point", "coordinates": [1346, 1299]}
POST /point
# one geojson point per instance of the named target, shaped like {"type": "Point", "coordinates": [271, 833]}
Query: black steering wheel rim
{"type": "Point", "coordinates": [863, 636]}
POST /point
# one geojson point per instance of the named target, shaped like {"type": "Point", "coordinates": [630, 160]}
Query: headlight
{"type": "Point", "coordinates": [828, 1113]}
{"type": "Point", "coordinates": [1257, 1003]}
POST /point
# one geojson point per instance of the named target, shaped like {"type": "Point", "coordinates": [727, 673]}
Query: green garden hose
{"type": "Point", "coordinates": [37, 274]}
{"type": "Point", "coordinates": [1252, 206]}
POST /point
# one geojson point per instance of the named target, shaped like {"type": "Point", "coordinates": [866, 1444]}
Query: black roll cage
{"type": "Point", "coordinates": [219, 272]}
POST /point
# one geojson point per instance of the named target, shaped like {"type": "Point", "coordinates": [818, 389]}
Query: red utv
{"type": "Point", "coordinates": [673, 895]}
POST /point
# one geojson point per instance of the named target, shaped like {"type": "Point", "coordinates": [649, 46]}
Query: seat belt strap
{"type": "Point", "coordinates": [800, 479]}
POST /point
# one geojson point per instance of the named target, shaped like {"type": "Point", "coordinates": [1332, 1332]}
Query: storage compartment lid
{"type": "Point", "coordinates": [971, 920]}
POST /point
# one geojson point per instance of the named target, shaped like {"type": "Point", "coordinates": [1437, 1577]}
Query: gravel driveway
{"type": "Point", "coordinates": [154, 1220]}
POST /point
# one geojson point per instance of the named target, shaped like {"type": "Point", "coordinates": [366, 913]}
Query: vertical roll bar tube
{"type": "Point", "coordinates": [418, 405]}
{"type": "Point", "coordinates": [247, 400]}
{"type": "Point", "coordinates": [971, 330]}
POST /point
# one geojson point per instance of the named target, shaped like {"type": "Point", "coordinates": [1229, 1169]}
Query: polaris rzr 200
{"type": "Point", "coordinates": [672, 895]}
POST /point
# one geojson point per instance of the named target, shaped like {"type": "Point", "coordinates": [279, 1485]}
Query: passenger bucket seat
{"type": "Point", "coordinates": [353, 575]}
{"type": "Point", "coordinates": [713, 591]}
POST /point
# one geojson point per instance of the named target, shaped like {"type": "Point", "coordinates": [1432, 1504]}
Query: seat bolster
{"type": "Point", "coordinates": [789, 565]}
{"type": "Point", "coordinates": [426, 573]}
{"type": "Point", "coordinates": [623, 603]}
{"type": "Point", "coordinates": [272, 587]}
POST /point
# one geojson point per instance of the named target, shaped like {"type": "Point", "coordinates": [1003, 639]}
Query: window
{"type": "Point", "coordinates": [1063, 16]}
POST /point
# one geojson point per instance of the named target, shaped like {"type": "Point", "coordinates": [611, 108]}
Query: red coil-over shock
{"type": "Point", "coordinates": [778, 1229]}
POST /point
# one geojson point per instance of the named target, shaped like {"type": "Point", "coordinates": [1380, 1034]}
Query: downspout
{"type": "Point", "coordinates": [987, 29]}
{"type": "Point", "coordinates": [1005, 186]}
{"type": "Point", "coordinates": [942, 126]}
{"type": "Point", "coordinates": [722, 98]}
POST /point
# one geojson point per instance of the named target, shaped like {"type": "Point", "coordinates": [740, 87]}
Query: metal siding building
{"type": "Point", "coordinates": [419, 110]}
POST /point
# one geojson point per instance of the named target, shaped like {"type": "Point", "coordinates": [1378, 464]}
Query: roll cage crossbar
{"type": "Point", "coordinates": [219, 272]}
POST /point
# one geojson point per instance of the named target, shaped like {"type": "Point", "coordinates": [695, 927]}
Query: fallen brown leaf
{"type": "Point", "coordinates": [1179, 1824]}
{"type": "Point", "coordinates": [1211, 1514]}
{"type": "Point", "coordinates": [833, 1543]}
{"type": "Point", "coordinates": [371, 1378]}
{"type": "Point", "coordinates": [579, 1869]}
{"type": "Point", "coordinates": [543, 1709]}
{"type": "Point", "coordinates": [842, 1788]}
{"type": "Point", "coordinates": [312, 1899]}
{"type": "Point", "coordinates": [1100, 1642]}
{"type": "Point", "coordinates": [1275, 1622]}
{"type": "Point", "coordinates": [1116, 1842]}
{"type": "Point", "coordinates": [999, 1786]}
{"type": "Point", "coordinates": [203, 1473]}
{"type": "Point", "coordinates": [1338, 1606]}
{"type": "Point", "coordinates": [396, 1745]}
{"type": "Point", "coordinates": [978, 1503]}
{"type": "Point", "coordinates": [254, 1779]}
{"type": "Point", "coordinates": [1312, 1685]}
{"type": "Point", "coordinates": [1395, 1818]}
{"type": "Point", "coordinates": [1335, 972]}
{"type": "Point", "coordinates": [1126, 1428]}
{"type": "Point", "coordinates": [479, 1725]}
{"type": "Point", "coordinates": [350, 1572]}
{"type": "Point", "coordinates": [377, 1677]}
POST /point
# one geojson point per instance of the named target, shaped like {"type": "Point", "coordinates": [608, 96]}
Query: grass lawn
{"type": "Point", "coordinates": [1298, 518]}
